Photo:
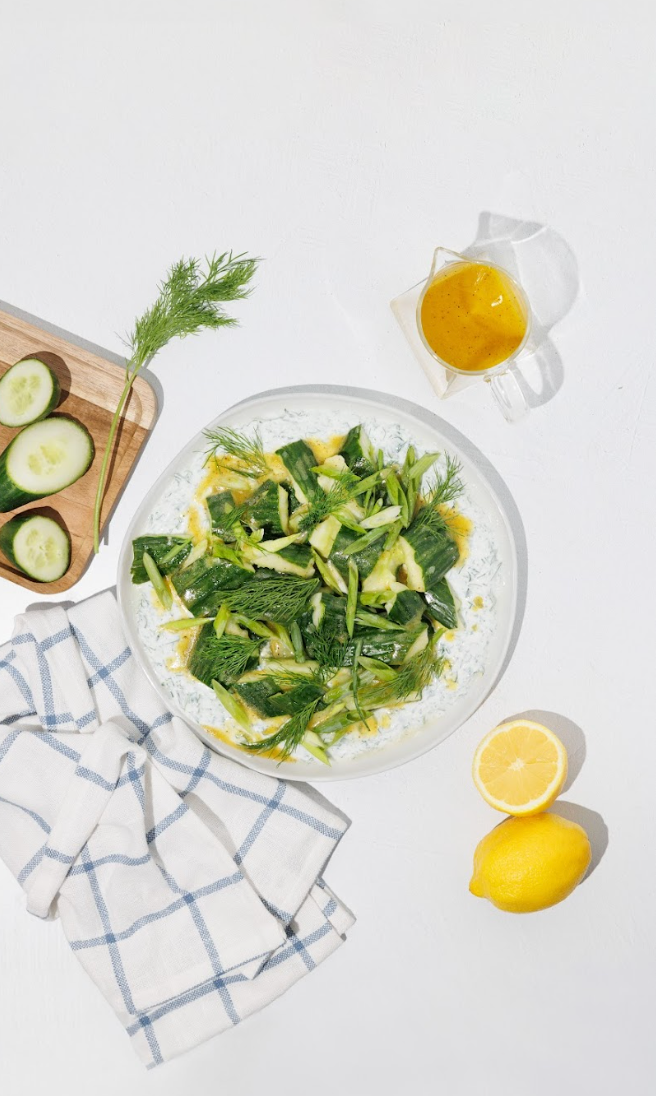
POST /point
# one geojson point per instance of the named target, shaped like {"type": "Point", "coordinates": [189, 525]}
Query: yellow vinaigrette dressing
{"type": "Point", "coordinates": [472, 317]}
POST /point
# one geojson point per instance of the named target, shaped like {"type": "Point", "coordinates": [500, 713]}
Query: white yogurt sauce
{"type": "Point", "coordinates": [474, 583]}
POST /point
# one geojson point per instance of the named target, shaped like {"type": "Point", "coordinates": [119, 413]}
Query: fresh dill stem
{"type": "Point", "coordinates": [247, 450]}
{"type": "Point", "coordinates": [189, 301]}
{"type": "Point", "coordinates": [289, 736]}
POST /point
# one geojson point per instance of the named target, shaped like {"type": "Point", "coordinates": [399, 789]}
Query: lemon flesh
{"type": "Point", "coordinates": [520, 767]}
{"type": "Point", "coordinates": [528, 864]}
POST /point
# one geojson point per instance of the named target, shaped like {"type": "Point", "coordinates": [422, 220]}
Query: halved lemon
{"type": "Point", "coordinates": [520, 767]}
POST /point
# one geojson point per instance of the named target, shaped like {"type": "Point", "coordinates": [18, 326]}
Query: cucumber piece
{"type": "Point", "coordinates": [220, 506]}
{"type": "Point", "coordinates": [427, 556]}
{"type": "Point", "coordinates": [255, 694]}
{"type": "Point", "coordinates": [408, 608]}
{"type": "Point", "coordinates": [37, 546]}
{"type": "Point", "coordinates": [358, 452]}
{"type": "Point", "coordinates": [299, 460]}
{"type": "Point", "coordinates": [280, 543]}
{"type": "Point", "coordinates": [264, 510]}
{"type": "Point", "coordinates": [28, 392]}
{"type": "Point", "coordinates": [389, 647]}
{"type": "Point", "coordinates": [263, 695]}
{"type": "Point", "coordinates": [168, 552]}
{"type": "Point", "coordinates": [441, 605]}
{"type": "Point", "coordinates": [200, 587]}
{"type": "Point", "coordinates": [323, 535]}
{"type": "Point", "coordinates": [365, 560]}
{"type": "Point", "coordinates": [318, 608]}
{"type": "Point", "coordinates": [420, 644]}
{"type": "Point", "coordinates": [290, 702]}
{"type": "Point", "coordinates": [383, 577]}
{"type": "Point", "coordinates": [335, 464]}
{"type": "Point", "coordinates": [295, 559]}
{"type": "Point", "coordinates": [283, 508]}
{"type": "Point", "coordinates": [43, 459]}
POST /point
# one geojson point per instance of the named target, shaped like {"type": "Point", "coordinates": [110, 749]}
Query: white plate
{"type": "Point", "coordinates": [424, 429]}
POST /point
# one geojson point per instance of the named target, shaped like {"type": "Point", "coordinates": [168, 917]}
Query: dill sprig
{"type": "Point", "coordinates": [326, 504]}
{"type": "Point", "coordinates": [448, 486]}
{"type": "Point", "coordinates": [224, 657]}
{"type": "Point", "coordinates": [289, 736]}
{"type": "Point", "coordinates": [248, 451]}
{"type": "Point", "coordinates": [446, 489]}
{"type": "Point", "coordinates": [284, 680]}
{"type": "Point", "coordinates": [329, 644]}
{"type": "Point", "coordinates": [412, 677]}
{"type": "Point", "coordinates": [346, 488]}
{"type": "Point", "coordinates": [281, 598]}
{"type": "Point", "coordinates": [189, 300]}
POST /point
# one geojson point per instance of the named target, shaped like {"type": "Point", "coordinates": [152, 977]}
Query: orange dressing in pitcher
{"type": "Point", "coordinates": [472, 317]}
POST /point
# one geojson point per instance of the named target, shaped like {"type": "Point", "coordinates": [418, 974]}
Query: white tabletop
{"type": "Point", "coordinates": [342, 142]}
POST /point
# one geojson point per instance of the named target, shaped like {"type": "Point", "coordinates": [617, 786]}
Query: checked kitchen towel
{"type": "Point", "coordinates": [188, 886]}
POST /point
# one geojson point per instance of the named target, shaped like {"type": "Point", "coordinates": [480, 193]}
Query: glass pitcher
{"type": "Point", "coordinates": [502, 382]}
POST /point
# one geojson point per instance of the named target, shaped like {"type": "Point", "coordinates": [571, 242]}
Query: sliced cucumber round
{"type": "Point", "coordinates": [28, 392]}
{"type": "Point", "coordinates": [37, 545]}
{"type": "Point", "coordinates": [43, 459]}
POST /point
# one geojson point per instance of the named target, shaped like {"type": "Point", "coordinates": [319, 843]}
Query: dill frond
{"type": "Point", "coordinates": [289, 736]}
{"type": "Point", "coordinates": [281, 598]}
{"type": "Point", "coordinates": [446, 489]}
{"type": "Point", "coordinates": [412, 677]}
{"type": "Point", "coordinates": [248, 451]}
{"type": "Point", "coordinates": [324, 505]}
{"type": "Point", "coordinates": [189, 301]}
{"type": "Point", "coordinates": [224, 657]}
{"type": "Point", "coordinates": [448, 486]}
{"type": "Point", "coordinates": [328, 644]}
{"type": "Point", "coordinates": [346, 488]}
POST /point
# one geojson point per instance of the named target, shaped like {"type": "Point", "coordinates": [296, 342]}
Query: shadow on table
{"type": "Point", "coordinates": [573, 739]}
{"type": "Point", "coordinates": [568, 732]}
{"type": "Point", "coordinates": [592, 823]}
{"type": "Point", "coordinates": [545, 266]}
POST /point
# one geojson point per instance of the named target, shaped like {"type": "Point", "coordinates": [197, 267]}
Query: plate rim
{"type": "Point", "coordinates": [387, 757]}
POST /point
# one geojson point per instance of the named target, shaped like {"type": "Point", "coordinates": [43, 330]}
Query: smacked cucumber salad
{"type": "Point", "coordinates": [310, 593]}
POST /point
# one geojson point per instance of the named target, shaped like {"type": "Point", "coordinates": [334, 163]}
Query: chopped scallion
{"type": "Point", "coordinates": [297, 641]}
{"type": "Point", "coordinates": [159, 585]}
{"type": "Point", "coordinates": [220, 620]}
{"type": "Point", "coordinates": [186, 623]}
{"type": "Point", "coordinates": [364, 542]}
{"type": "Point", "coordinates": [352, 596]}
{"type": "Point", "coordinates": [233, 707]}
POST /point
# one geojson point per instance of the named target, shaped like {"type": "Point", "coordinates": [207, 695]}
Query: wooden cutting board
{"type": "Point", "coordinates": [91, 387]}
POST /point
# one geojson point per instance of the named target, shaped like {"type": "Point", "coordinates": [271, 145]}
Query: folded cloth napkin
{"type": "Point", "coordinates": [188, 886]}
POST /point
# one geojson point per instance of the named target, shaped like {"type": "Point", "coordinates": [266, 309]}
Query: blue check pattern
{"type": "Point", "coordinates": [189, 887]}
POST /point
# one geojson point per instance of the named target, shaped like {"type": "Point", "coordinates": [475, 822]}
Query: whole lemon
{"type": "Point", "coordinates": [527, 864]}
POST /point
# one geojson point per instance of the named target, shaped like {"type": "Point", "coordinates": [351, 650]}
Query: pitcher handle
{"type": "Point", "coordinates": [509, 396]}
